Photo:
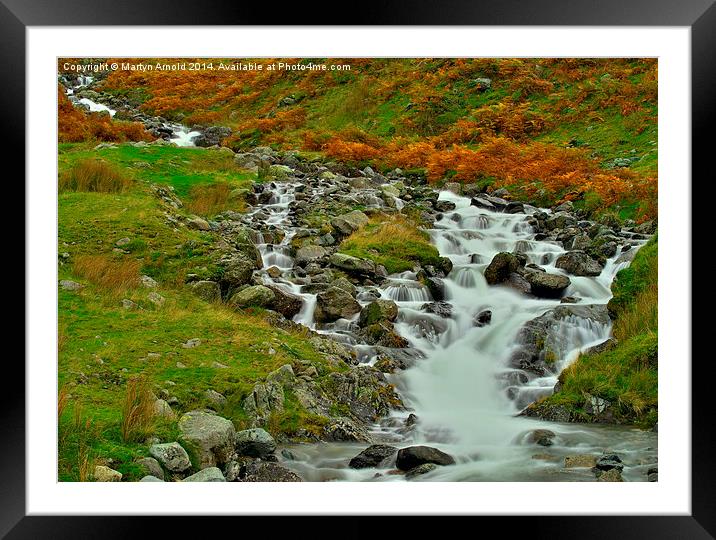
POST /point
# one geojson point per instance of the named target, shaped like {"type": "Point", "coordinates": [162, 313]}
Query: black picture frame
{"type": "Point", "coordinates": [699, 15]}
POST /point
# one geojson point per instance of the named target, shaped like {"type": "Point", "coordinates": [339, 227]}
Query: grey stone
{"type": "Point", "coordinates": [172, 456]}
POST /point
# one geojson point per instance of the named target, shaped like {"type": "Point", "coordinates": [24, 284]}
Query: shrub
{"type": "Point", "coordinates": [95, 176]}
{"type": "Point", "coordinates": [109, 273]}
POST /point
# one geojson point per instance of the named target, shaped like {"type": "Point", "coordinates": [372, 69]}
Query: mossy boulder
{"type": "Point", "coordinates": [254, 296]}
{"type": "Point", "coordinates": [377, 311]}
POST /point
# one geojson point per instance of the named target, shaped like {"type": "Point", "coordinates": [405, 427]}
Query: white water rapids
{"type": "Point", "coordinates": [464, 391]}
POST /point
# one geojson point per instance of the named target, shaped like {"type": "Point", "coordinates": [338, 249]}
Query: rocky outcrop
{"type": "Point", "coordinates": [255, 443]}
{"type": "Point", "coordinates": [541, 343]}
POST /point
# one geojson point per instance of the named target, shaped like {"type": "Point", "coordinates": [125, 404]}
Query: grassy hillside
{"type": "Point", "coordinates": [627, 375]}
{"type": "Point", "coordinates": [114, 341]}
{"type": "Point", "coordinates": [551, 129]}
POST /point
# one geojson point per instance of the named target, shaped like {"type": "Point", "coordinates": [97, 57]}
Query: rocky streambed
{"type": "Point", "coordinates": [438, 363]}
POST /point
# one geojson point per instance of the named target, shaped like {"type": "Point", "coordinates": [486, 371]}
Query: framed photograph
{"type": "Point", "coordinates": [411, 267]}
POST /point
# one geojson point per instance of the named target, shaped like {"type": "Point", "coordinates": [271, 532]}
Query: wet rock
{"type": "Point", "coordinates": [210, 474]}
{"type": "Point", "coordinates": [547, 285]}
{"type": "Point", "coordinates": [542, 437]}
{"type": "Point", "coordinates": [365, 393]}
{"type": "Point", "coordinates": [441, 309]}
{"type": "Point", "coordinates": [482, 318]}
{"type": "Point", "coordinates": [334, 304]}
{"type": "Point", "coordinates": [420, 470]}
{"type": "Point", "coordinates": [652, 474]}
{"type": "Point", "coordinates": [208, 438]}
{"type": "Point", "coordinates": [372, 456]}
{"type": "Point", "coordinates": [579, 263]}
{"type": "Point", "coordinates": [308, 254]}
{"type": "Point", "coordinates": [172, 456]}
{"type": "Point", "coordinates": [580, 460]}
{"type": "Point", "coordinates": [612, 475]}
{"type": "Point", "coordinates": [501, 266]}
{"type": "Point", "coordinates": [378, 311]}
{"type": "Point", "coordinates": [286, 303]}
{"type": "Point", "coordinates": [207, 290]}
{"type": "Point", "coordinates": [541, 341]}
{"type": "Point", "coordinates": [383, 333]}
{"type": "Point", "coordinates": [237, 270]}
{"type": "Point", "coordinates": [256, 443]}
{"type": "Point", "coordinates": [348, 223]}
{"type": "Point", "coordinates": [414, 456]}
{"type": "Point", "coordinates": [253, 296]}
{"type": "Point", "coordinates": [343, 283]}
{"type": "Point", "coordinates": [354, 265]}
{"type": "Point", "coordinates": [261, 471]}
{"type": "Point", "coordinates": [608, 462]}
{"type": "Point", "coordinates": [436, 286]}
{"type": "Point", "coordinates": [549, 412]}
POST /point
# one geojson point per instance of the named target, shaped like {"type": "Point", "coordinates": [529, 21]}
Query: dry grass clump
{"type": "Point", "coordinates": [95, 176]}
{"type": "Point", "coordinates": [109, 273]}
{"type": "Point", "coordinates": [137, 410]}
{"type": "Point", "coordinates": [211, 199]}
{"type": "Point", "coordinates": [641, 317]}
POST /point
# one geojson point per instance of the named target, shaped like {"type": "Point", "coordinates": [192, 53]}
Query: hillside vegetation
{"type": "Point", "coordinates": [548, 129]}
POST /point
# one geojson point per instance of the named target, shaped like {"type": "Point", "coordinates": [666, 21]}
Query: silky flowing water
{"type": "Point", "coordinates": [463, 391]}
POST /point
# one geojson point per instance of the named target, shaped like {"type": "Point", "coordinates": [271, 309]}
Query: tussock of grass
{"type": "Point", "coordinates": [109, 273]}
{"type": "Point", "coordinates": [138, 410]}
{"type": "Point", "coordinates": [211, 199]}
{"type": "Point", "coordinates": [95, 176]}
{"type": "Point", "coordinates": [395, 242]}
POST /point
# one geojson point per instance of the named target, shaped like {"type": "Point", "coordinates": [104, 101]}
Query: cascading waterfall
{"type": "Point", "coordinates": [464, 391]}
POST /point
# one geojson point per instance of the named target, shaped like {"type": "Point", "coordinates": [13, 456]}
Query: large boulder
{"type": "Point", "coordinates": [547, 285]}
{"type": "Point", "coordinates": [378, 311]}
{"type": "Point", "coordinates": [286, 303]}
{"type": "Point", "coordinates": [414, 456]}
{"type": "Point", "coordinates": [237, 270]}
{"type": "Point", "coordinates": [255, 443]}
{"type": "Point", "coordinates": [372, 456]}
{"type": "Point", "coordinates": [309, 254]}
{"type": "Point", "coordinates": [172, 456]}
{"type": "Point", "coordinates": [334, 304]}
{"type": "Point", "coordinates": [354, 265]}
{"type": "Point", "coordinates": [346, 224]}
{"type": "Point", "coordinates": [502, 265]}
{"type": "Point", "coordinates": [253, 296]}
{"type": "Point", "coordinates": [383, 333]}
{"type": "Point", "coordinates": [578, 263]}
{"type": "Point", "coordinates": [208, 438]}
